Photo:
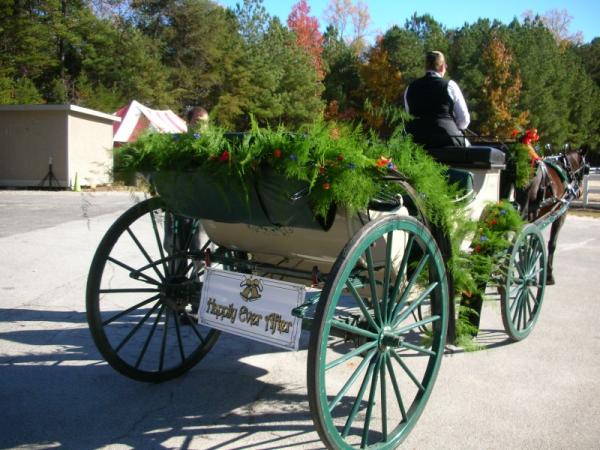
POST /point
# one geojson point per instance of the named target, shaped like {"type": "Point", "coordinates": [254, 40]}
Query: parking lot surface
{"type": "Point", "coordinates": [56, 392]}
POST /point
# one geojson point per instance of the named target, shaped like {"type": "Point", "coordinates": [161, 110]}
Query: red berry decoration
{"type": "Point", "coordinates": [326, 186]}
{"type": "Point", "coordinates": [341, 157]}
{"type": "Point", "coordinates": [322, 170]}
{"type": "Point", "coordinates": [277, 153]}
{"type": "Point", "coordinates": [224, 156]}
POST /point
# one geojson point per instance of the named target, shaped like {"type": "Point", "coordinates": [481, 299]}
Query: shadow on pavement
{"type": "Point", "coordinates": [58, 393]}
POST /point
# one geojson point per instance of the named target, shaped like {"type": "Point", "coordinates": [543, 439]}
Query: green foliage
{"type": "Point", "coordinates": [340, 163]}
{"type": "Point", "coordinates": [519, 159]}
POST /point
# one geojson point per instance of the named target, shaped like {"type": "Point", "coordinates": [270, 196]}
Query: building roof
{"type": "Point", "coordinates": [65, 107]}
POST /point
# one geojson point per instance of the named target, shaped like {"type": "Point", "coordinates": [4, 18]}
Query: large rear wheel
{"type": "Point", "coordinates": [143, 292]}
{"type": "Point", "coordinates": [372, 362]}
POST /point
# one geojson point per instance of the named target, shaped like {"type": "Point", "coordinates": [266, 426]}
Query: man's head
{"type": "Point", "coordinates": [195, 115]}
{"type": "Point", "coordinates": [435, 61]}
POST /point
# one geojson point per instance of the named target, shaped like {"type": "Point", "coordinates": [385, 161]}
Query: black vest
{"type": "Point", "coordinates": [432, 107]}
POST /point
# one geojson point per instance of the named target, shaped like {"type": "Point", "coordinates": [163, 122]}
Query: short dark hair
{"type": "Point", "coordinates": [434, 60]}
{"type": "Point", "coordinates": [195, 112]}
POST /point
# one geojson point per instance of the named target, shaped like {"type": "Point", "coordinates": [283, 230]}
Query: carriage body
{"type": "Point", "coordinates": [375, 292]}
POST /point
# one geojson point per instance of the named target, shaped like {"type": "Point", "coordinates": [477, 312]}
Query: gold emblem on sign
{"type": "Point", "coordinates": [252, 289]}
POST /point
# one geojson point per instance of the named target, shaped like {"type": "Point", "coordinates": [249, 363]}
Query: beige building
{"type": "Point", "coordinates": [73, 141]}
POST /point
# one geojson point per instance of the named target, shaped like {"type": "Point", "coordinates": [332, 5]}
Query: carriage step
{"type": "Point", "coordinates": [310, 301]}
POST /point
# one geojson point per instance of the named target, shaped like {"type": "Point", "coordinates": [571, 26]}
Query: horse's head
{"type": "Point", "coordinates": [576, 166]}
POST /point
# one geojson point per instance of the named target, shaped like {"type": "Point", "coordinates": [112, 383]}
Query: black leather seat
{"type": "Point", "coordinates": [474, 157]}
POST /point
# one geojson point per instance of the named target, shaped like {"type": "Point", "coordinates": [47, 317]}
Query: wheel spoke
{"type": "Point", "coordinates": [516, 297]}
{"type": "Point", "coordinates": [361, 305]}
{"type": "Point", "coordinates": [164, 340]}
{"type": "Point", "coordinates": [149, 337]}
{"type": "Point", "coordinates": [373, 285]}
{"type": "Point", "coordinates": [418, 349]}
{"type": "Point", "coordinates": [358, 400]}
{"type": "Point", "coordinates": [386, 276]}
{"type": "Point", "coordinates": [401, 272]}
{"type": "Point", "coordinates": [420, 323]}
{"type": "Point", "coordinates": [390, 368]}
{"type": "Point", "coordinates": [352, 379]}
{"type": "Point", "coordinates": [354, 330]}
{"type": "Point", "coordinates": [192, 322]}
{"type": "Point", "coordinates": [519, 310]}
{"type": "Point", "coordinates": [533, 297]}
{"type": "Point", "coordinates": [357, 351]}
{"type": "Point", "coordinates": [408, 371]}
{"type": "Point", "coordinates": [408, 289]}
{"type": "Point", "coordinates": [367, 425]}
{"type": "Point", "coordinates": [136, 328]}
{"type": "Point", "coordinates": [145, 278]}
{"type": "Point", "coordinates": [524, 308]}
{"type": "Point", "coordinates": [158, 239]}
{"type": "Point", "coordinates": [127, 290]}
{"type": "Point", "coordinates": [384, 430]}
{"type": "Point", "coordinates": [413, 305]}
{"type": "Point", "coordinates": [128, 310]}
{"type": "Point", "coordinates": [529, 309]}
{"type": "Point", "coordinates": [179, 341]}
{"type": "Point", "coordinates": [145, 253]}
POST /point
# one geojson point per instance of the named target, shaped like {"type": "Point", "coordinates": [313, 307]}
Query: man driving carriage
{"type": "Point", "coordinates": [438, 106]}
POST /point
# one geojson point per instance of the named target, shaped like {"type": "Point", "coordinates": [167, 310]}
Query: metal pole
{"type": "Point", "coordinates": [585, 190]}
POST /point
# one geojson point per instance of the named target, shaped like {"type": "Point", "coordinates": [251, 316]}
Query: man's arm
{"type": "Point", "coordinates": [461, 112]}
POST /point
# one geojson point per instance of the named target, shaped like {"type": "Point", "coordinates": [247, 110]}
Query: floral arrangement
{"type": "Point", "coordinates": [522, 155]}
{"type": "Point", "coordinates": [492, 237]}
{"type": "Point", "coordinates": [340, 164]}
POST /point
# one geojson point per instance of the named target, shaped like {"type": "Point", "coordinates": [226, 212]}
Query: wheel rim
{"type": "Point", "coordinates": [525, 283]}
{"type": "Point", "coordinates": [142, 294]}
{"type": "Point", "coordinates": [370, 393]}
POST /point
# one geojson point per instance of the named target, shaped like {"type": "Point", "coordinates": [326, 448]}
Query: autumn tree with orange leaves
{"type": "Point", "coordinates": [501, 90]}
{"type": "Point", "coordinates": [382, 84]}
{"type": "Point", "coordinates": [308, 35]}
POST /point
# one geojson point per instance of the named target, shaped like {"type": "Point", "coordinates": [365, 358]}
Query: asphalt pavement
{"type": "Point", "coordinates": [56, 392]}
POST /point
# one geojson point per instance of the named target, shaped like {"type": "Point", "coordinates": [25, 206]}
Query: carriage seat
{"type": "Point", "coordinates": [474, 157]}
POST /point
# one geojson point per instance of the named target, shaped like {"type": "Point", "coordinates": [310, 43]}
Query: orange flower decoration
{"type": "Point", "coordinates": [383, 161]}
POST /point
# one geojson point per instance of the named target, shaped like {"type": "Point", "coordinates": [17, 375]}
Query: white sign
{"type": "Point", "coordinates": [253, 307]}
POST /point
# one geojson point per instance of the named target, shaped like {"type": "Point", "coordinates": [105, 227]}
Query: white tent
{"type": "Point", "coordinates": [136, 118]}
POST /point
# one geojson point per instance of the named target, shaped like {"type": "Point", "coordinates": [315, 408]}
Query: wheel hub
{"type": "Point", "coordinates": [178, 292]}
{"type": "Point", "coordinates": [388, 339]}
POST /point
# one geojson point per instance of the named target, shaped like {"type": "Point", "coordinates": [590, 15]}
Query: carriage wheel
{"type": "Point", "coordinates": [371, 363]}
{"type": "Point", "coordinates": [142, 295]}
{"type": "Point", "coordinates": [522, 292]}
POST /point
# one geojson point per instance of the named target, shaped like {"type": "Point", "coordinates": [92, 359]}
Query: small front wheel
{"type": "Point", "coordinates": [372, 360]}
{"type": "Point", "coordinates": [522, 291]}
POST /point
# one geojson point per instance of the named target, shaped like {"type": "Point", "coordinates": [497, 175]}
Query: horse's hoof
{"type": "Point", "coordinates": [549, 280]}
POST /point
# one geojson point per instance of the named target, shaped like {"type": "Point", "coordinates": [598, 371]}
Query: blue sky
{"type": "Point", "coordinates": [385, 13]}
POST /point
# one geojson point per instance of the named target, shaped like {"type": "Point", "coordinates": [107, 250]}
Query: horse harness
{"type": "Point", "coordinates": [564, 169]}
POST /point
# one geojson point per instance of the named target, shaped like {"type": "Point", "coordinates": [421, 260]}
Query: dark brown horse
{"type": "Point", "coordinates": [557, 181]}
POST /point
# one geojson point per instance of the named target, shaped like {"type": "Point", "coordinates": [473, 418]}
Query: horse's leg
{"type": "Point", "coordinates": [554, 230]}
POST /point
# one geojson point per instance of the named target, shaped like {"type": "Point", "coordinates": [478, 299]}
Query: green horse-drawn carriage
{"type": "Point", "coordinates": [372, 288]}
